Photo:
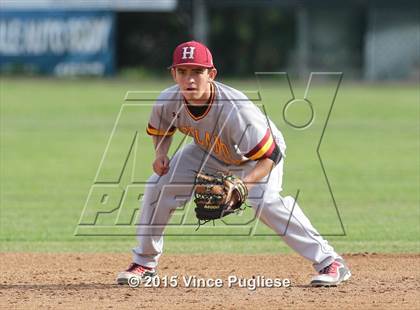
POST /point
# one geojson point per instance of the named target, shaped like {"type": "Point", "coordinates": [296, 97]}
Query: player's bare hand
{"type": "Point", "coordinates": [161, 165]}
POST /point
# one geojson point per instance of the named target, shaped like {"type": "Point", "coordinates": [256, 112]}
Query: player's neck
{"type": "Point", "coordinates": [204, 100]}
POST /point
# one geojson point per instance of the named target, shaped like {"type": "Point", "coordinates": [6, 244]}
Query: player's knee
{"type": "Point", "coordinates": [153, 179]}
{"type": "Point", "coordinates": [152, 189]}
{"type": "Point", "coordinates": [156, 182]}
{"type": "Point", "coordinates": [289, 202]}
{"type": "Point", "coordinates": [289, 199]}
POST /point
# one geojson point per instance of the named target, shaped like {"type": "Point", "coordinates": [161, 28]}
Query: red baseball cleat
{"type": "Point", "coordinates": [137, 272]}
{"type": "Point", "coordinates": [333, 274]}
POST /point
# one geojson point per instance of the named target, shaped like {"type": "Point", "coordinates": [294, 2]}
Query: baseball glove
{"type": "Point", "coordinates": [218, 195]}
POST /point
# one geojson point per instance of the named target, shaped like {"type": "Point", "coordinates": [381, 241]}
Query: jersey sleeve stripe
{"type": "Point", "coordinates": [259, 145]}
{"type": "Point", "coordinates": [270, 150]}
{"type": "Point", "coordinates": [155, 132]}
{"type": "Point", "coordinates": [275, 155]}
{"type": "Point", "coordinates": [264, 151]}
{"type": "Point", "coordinates": [266, 143]}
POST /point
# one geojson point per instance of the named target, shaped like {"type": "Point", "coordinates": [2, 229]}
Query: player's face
{"type": "Point", "coordinates": [194, 82]}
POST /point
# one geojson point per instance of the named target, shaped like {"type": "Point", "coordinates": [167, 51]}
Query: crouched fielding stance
{"type": "Point", "coordinates": [237, 154]}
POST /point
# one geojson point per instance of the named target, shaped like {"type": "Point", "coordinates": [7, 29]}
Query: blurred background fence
{"type": "Point", "coordinates": [367, 40]}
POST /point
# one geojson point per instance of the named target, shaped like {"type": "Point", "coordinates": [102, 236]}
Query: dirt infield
{"type": "Point", "coordinates": [88, 281]}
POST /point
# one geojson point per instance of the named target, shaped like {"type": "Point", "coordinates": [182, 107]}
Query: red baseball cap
{"type": "Point", "coordinates": [192, 53]}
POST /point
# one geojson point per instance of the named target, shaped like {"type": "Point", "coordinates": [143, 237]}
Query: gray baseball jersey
{"type": "Point", "coordinates": [232, 128]}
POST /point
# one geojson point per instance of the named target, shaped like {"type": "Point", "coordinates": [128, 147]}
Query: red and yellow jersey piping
{"type": "Point", "coordinates": [264, 148]}
{"type": "Point", "coordinates": [152, 131]}
{"type": "Point", "coordinates": [209, 104]}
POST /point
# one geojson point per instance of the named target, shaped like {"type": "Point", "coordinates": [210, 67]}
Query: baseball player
{"type": "Point", "coordinates": [229, 133]}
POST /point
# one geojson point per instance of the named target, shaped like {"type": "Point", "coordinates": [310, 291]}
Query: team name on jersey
{"type": "Point", "coordinates": [210, 142]}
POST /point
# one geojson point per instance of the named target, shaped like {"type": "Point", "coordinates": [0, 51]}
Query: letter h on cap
{"type": "Point", "coordinates": [188, 51]}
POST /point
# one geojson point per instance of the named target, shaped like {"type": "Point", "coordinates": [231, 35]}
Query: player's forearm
{"type": "Point", "coordinates": [261, 169]}
{"type": "Point", "coordinates": [162, 144]}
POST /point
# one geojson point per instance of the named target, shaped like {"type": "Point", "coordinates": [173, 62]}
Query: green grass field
{"type": "Point", "coordinates": [54, 133]}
